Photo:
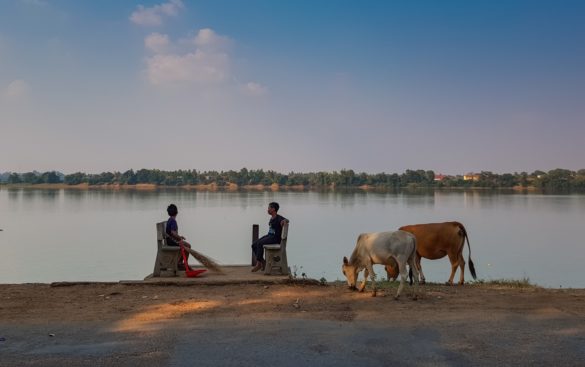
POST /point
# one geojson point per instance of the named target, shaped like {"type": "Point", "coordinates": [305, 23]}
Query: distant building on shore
{"type": "Point", "coordinates": [471, 177]}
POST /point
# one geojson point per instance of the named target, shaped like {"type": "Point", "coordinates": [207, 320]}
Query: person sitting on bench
{"type": "Point", "coordinates": [273, 237]}
{"type": "Point", "coordinates": [172, 230]}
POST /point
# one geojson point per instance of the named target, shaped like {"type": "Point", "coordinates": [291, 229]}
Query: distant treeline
{"type": "Point", "coordinates": [556, 179]}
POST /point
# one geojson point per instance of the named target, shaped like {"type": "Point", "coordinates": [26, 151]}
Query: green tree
{"type": "Point", "coordinates": [507, 180]}
{"type": "Point", "coordinates": [128, 178]}
{"type": "Point", "coordinates": [31, 178]}
{"type": "Point", "coordinates": [75, 178]}
{"type": "Point", "coordinates": [50, 177]}
{"type": "Point", "coordinates": [523, 179]}
{"type": "Point", "coordinates": [14, 178]}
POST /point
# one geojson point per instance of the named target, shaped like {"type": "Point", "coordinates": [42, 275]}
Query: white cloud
{"type": "Point", "coordinates": [255, 89]}
{"type": "Point", "coordinates": [198, 67]}
{"type": "Point", "coordinates": [205, 64]}
{"type": "Point", "coordinates": [17, 89]}
{"type": "Point", "coordinates": [204, 60]}
{"type": "Point", "coordinates": [153, 16]}
{"type": "Point", "coordinates": [208, 39]}
{"type": "Point", "coordinates": [157, 43]}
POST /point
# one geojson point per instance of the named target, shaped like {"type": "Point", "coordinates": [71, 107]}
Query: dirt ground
{"type": "Point", "coordinates": [254, 324]}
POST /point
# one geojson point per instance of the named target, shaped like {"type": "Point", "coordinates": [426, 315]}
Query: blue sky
{"type": "Point", "coordinates": [452, 86]}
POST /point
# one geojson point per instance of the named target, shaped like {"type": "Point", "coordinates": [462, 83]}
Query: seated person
{"type": "Point", "coordinates": [273, 237]}
{"type": "Point", "coordinates": [172, 231]}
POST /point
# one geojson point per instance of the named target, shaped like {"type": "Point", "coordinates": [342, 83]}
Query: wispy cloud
{"type": "Point", "coordinates": [254, 89]}
{"type": "Point", "coordinates": [153, 16]}
{"type": "Point", "coordinates": [16, 90]}
{"type": "Point", "coordinates": [207, 63]}
{"type": "Point", "coordinates": [197, 67]}
{"type": "Point", "coordinates": [157, 43]}
{"type": "Point", "coordinates": [205, 59]}
{"type": "Point", "coordinates": [207, 38]}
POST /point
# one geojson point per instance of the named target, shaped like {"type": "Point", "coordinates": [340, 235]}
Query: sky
{"type": "Point", "coordinates": [373, 86]}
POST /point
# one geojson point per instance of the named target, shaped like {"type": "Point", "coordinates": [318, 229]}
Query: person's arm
{"type": "Point", "coordinates": [175, 232]}
{"type": "Point", "coordinates": [283, 221]}
{"type": "Point", "coordinates": [176, 235]}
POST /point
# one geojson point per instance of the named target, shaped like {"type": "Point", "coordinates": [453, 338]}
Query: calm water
{"type": "Point", "coordinates": [67, 235]}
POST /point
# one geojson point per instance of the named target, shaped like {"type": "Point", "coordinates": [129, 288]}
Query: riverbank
{"type": "Point", "coordinates": [153, 187]}
{"type": "Point", "coordinates": [260, 187]}
{"type": "Point", "coordinates": [242, 324]}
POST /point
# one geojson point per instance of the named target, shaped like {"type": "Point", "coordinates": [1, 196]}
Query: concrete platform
{"type": "Point", "coordinates": [233, 274]}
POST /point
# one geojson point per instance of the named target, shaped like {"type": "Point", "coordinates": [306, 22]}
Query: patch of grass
{"type": "Point", "coordinates": [507, 283]}
{"type": "Point", "coordinates": [510, 283]}
{"type": "Point", "coordinates": [293, 273]}
{"type": "Point", "coordinates": [384, 284]}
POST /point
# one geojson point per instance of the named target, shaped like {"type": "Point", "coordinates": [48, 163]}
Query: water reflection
{"type": "Point", "coordinates": [13, 193]}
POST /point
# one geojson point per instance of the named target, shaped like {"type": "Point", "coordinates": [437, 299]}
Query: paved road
{"type": "Point", "coordinates": [291, 342]}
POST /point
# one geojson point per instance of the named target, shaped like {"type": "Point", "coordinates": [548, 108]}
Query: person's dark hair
{"type": "Point", "coordinates": [172, 210]}
{"type": "Point", "coordinates": [274, 205]}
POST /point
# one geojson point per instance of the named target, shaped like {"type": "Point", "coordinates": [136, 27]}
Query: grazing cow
{"type": "Point", "coordinates": [434, 241]}
{"type": "Point", "coordinates": [381, 248]}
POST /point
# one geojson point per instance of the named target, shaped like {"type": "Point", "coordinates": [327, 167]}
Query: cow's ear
{"type": "Point", "coordinates": [345, 260]}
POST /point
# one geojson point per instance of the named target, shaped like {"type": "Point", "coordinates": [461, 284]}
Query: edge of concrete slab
{"type": "Point", "coordinates": [233, 274]}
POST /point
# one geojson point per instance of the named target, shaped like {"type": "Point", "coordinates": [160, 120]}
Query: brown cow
{"type": "Point", "coordinates": [434, 241]}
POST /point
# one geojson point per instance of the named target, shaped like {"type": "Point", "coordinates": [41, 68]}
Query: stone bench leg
{"type": "Point", "coordinates": [275, 261]}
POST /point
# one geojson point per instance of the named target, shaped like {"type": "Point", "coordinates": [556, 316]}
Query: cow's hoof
{"type": "Point", "coordinates": [396, 298]}
{"type": "Point", "coordinates": [374, 294]}
{"type": "Point", "coordinates": [448, 283]}
{"type": "Point", "coordinates": [422, 282]}
{"type": "Point", "coordinates": [414, 298]}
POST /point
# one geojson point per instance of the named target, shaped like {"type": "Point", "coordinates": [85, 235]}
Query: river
{"type": "Point", "coordinates": [107, 235]}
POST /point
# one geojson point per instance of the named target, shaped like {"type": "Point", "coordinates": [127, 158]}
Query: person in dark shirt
{"type": "Point", "coordinates": [273, 237]}
{"type": "Point", "coordinates": [172, 231]}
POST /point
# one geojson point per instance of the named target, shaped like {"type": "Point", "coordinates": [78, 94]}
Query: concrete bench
{"type": "Point", "coordinates": [167, 257]}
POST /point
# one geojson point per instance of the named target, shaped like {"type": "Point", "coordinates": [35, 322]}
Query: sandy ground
{"type": "Point", "coordinates": [288, 325]}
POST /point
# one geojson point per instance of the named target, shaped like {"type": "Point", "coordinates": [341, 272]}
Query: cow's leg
{"type": "Point", "coordinates": [412, 263]}
{"type": "Point", "coordinates": [454, 259]}
{"type": "Point", "coordinates": [403, 276]}
{"type": "Point", "coordinates": [462, 268]}
{"type": "Point", "coordinates": [419, 268]}
{"type": "Point", "coordinates": [370, 268]}
{"type": "Point", "coordinates": [363, 285]}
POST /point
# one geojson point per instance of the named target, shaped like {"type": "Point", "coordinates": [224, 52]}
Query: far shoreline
{"type": "Point", "coordinates": [232, 187]}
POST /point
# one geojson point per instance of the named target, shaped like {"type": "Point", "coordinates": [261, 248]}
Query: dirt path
{"type": "Point", "coordinates": [119, 325]}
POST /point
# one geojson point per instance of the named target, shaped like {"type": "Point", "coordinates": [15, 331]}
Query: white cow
{"type": "Point", "coordinates": [381, 248]}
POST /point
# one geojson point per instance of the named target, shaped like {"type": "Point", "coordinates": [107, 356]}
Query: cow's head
{"type": "Point", "coordinates": [350, 272]}
{"type": "Point", "coordinates": [392, 269]}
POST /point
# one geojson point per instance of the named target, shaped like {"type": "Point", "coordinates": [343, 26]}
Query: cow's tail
{"type": "Point", "coordinates": [470, 263]}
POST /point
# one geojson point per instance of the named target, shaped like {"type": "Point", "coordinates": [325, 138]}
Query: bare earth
{"type": "Point", "coordinates": [288, 325]}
